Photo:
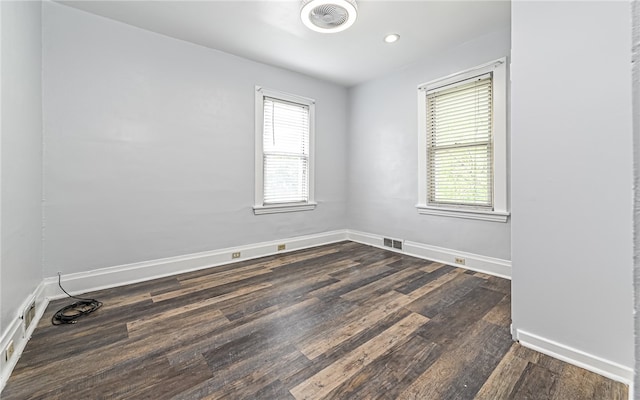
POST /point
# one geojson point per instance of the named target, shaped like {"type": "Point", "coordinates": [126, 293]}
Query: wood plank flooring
{"type": "Point", "coordinates": [342, 321]}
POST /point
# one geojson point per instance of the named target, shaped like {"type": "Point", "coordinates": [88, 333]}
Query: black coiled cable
{"type": "Point", "coordinates": [70, 314]}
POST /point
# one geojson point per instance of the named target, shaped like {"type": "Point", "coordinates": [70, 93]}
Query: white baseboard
{"type": "Point", "coordinates": [105, 278]}
{"type": "Point", "coordinates": [137, 272]}
{"type": "Point", "coordinates": [16, 332]}
{"type": "Point", "coordinates": [475, 262]}
{"type": "Point", "coordinates": [579, 358]}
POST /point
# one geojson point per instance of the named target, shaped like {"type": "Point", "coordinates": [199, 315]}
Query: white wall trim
{"type": "Point", "coordinates": [105, 278]}
{"type": "Point", "coordinates": [283, 208]}
{"type": "Point", "coordinates": [259, 206]}
{"type": "Point", "coordinates": [137, 272]}
{"type": "Point", "coordinates": [498, 69]}
{"type": "Point", "coordinates": [475, 262]}
{"type": "Point", "coordinates": [493, 216]}
{"type": "Point", "coordinates": [15, 331]}
{"type": "Point", "coordinates": [579, 358]}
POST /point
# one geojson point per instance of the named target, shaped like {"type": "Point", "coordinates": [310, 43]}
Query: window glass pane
{"type": "Point", "coordinates": [462, 175]}
{"type": "Point", "coordinates": [285, 152]}
{"type": "Point", "coordinates": [285, 179]}
{"type": "Point", "coordinates": [459, 143]}
{"type": "Point", "coordinates": [286, 127]}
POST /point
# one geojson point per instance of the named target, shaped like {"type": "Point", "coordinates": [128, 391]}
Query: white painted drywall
{"type": "Point", "coordinates": [148, 149]}
{"type": "Point", "coordinates": [383, 155]}
{"type": "Point", "coordinates": [572, 175]}
{"type": "Point", "coordinates": [636, 184]}
{"type": "Point", "coordinates": [21, 156]}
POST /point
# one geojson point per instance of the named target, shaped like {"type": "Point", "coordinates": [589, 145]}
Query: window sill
{"type": "Point", "coordinates": [494, 216]}
{"type": "Point", "coordinates": [283, 208]}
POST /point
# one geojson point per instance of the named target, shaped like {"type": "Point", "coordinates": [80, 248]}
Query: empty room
{"type": "Point", "coordinates": [319, 199]}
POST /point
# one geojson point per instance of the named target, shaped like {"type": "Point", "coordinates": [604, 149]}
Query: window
{"type": "Point", "coordinates": [463, 157]}
{"type": "Point", "coordinates": [284, 152]}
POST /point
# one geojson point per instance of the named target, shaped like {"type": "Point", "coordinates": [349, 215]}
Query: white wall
{"type": "Point", "coordinates": [636, 159]}
{"type": "Point", "coordinates": [383, 155]}
{"type": "Point", "coordinates": [148, 153]}
{"type": "Point", "coordinates": [148, 149]}
{"type": "Point", "coordinates": [21, 157]}
{"type": "Point", "coordinates": [572, 176]}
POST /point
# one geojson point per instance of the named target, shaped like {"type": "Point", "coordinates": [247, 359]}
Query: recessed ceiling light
{"type": "Point", "coordinates": [328, 16]}
{"type": "Point", "coordinates": [392, 37]}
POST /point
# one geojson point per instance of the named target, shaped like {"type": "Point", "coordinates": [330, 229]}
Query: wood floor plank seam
{"type": "Point", "coordinates": [340, 321]}
{"type": "Point", "coordinates": [329, 378]}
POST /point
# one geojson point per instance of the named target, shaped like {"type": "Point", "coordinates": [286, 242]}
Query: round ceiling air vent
{"type": "Point", "coordinates": [328, 15]}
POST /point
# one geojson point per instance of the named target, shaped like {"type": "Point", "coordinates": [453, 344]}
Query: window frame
{"type": "Point", "coordinates": [500, 210]}
{"type": "Point", "coordinates": [259, 206]}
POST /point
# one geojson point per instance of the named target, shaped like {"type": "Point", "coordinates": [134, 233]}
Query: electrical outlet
{"type": "Point", "coordinates": [282, 247]}
{"type": "Point", "coordinates": [235, 255]}
{"type": "Point", "coordinates": [8, 353]}
{"type": "Point", "coordinates": [397, 244]}
{"type": "Point", "coordinates": [387, 242]}
{"type": "Point", "coordinates": [460, 260]}
{"type": "Point", "coordinates": [29, 314]}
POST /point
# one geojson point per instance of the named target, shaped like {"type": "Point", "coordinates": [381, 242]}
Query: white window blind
{"type": "Point", "coordinates": [285, 152]}
{"type": "Point", "coordinates": [460, 144]}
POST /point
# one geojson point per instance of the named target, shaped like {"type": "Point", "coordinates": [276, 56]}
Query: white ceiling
{"type": "Point", "coordinates": [271, 31]}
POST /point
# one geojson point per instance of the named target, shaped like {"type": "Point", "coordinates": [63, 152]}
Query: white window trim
{"type": "Point", "coordinates": [500, 212]}
{"type": "Point", "coordinates": [259, 206]}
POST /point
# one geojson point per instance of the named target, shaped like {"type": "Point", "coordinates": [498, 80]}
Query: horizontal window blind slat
{"type": "Point", "coordinates": [286, 127]}
{"type": "Point", "coordinates": [451, 115]}
{"type": "Point", "coordinates": [460, 151]}
{"type": "Point", "coordinates": [468, 99]}
{"type": "Point", "coordinates": [285, 179]}
{"type": "Point", "coordinates": [459, 138]}
{"type": "Point", "coordinates": [285, 152]}
{"type": "Point", "coordinates": [462, 90]}
{"type": "Point", "coordinates": [464, 125]}
{"type": "Point", "coordinates": [458, 159]}
{"type": "Point", "coordinates": [446, 172]}
{"type": "Point", "coordinates": [450, 164]}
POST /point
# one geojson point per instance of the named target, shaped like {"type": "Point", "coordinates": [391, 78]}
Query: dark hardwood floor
{"type": "Point", "coordinates": [342, 321]}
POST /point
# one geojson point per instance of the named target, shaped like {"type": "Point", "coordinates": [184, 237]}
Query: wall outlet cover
{"type": "Point", "coordinates": [29, 314]}
{"type": "Point", "coordinates": [8, 353]}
